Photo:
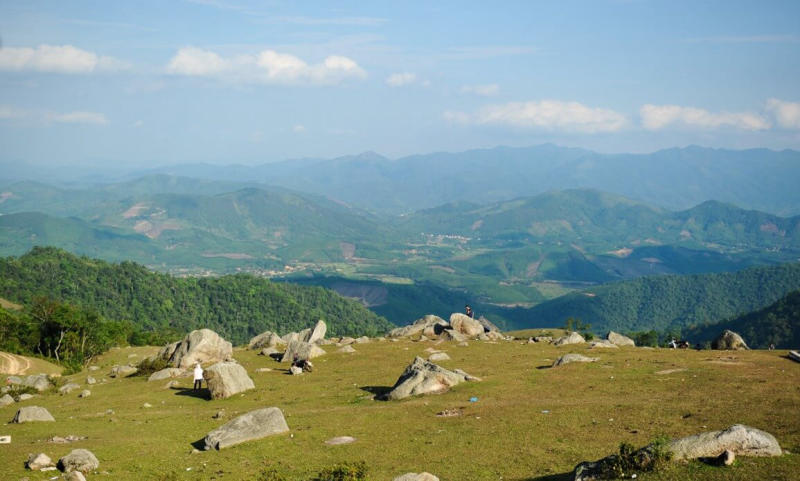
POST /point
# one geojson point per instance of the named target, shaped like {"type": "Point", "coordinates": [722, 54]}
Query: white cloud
{"type": "Point", "coordinates": [656, 117]}
{"type": "Point", "coordinates": [8, 113]}
{"type": "Point", "coordinates": [57, 59]}
{"type": "Point", "coordinates": [488, 90]}
{"type": "Point", "coordinates": [77, 117]}
{"type": "Point", "coordinates": [298, 129]}
{"type": "Point", "coordinates": [268, 66]}
{"type": "Point", "coordinates": [400, 79]}
{"type": "Point", "coordinates": [546, 115]}
{"type": "Point", "coordinates": [787, 114]}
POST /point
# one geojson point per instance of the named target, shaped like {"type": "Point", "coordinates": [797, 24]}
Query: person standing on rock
{"type": "Point", "coordinates": [468, 311]}
{"type": "Point", "coordinates": [198, 377]}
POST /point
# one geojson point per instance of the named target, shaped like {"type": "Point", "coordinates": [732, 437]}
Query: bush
{"type": "Point", "coordinates": [652, 457]}
{"type": "Point", "coordinates": [344, 472]}
{"type": "Point", "coordinates": [149, 365]}
{"type": "Point", "coordinates": [16, 390]}
{"type": "Point", "coordinates": [271, 473]}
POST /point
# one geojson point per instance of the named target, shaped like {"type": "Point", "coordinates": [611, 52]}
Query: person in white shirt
{"type": "Point", "coordinates": [198, 377]}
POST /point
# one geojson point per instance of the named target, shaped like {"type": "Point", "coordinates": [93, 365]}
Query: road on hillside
{"type": "Point", "coordinates": [12, 364]}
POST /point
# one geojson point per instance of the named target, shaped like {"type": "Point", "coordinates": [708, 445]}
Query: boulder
{"type": "Point", "coordinates": [346, 340]}
{"type": "Point", "coordinates": [568, 358]}
{"type": "Point", "coordinates": [543, 338]}
{"type": "Point", "coordinates": [602, 343]}
{"type": "Point", "coordinates": [295, 370]}
{"type": "Point", "coordinates": [620, 340]}
{"type": "Point", "coordinates": [347, 348]}
{"type": "Point", "coordinates": [317, 333]}
{"type": "Point", "coordinates": [90, 380]}
{"type": "Point", "coordinates": [122, 371]}
{"type": "Point", "coordinates": [81, 460]}
{"type": "Point", "coordinates": [32, 414]}
{"type": "Point", "coordinates": [85, 393]}
{"type": "Point", "coordinates": [794, 356]}
{"type": "Point", "coordinates": [439, 356]}
{"type": "Point", "coordinates": [424, 377]}
{"type": "Point", "coordinates": [740, 439]}
{"type": "Point", "coordinates": [465, 325]}
{"type": "Point", "coordinates": [39, 461]}
{"type": "Point", "coordinates": [68, 388]}
{"type": "Point", "coordinates": [417, 477]}
{"type": "Point", "coordinates": [362, 340]}
{"type": "Point", "coordinates": [428, 321]}
{"type": "Point", "coordinates": [224, 379]}
{"type": "Point", "coordinates": [6, 400]}
{"type": "Point", "coordinates": [571, 338]}
{"type": "Point", "coordinates": [729, 340]}
{"type": "Point", "coordinates": [268, 351]}
{"type": "Point", "coordinates": [40, 382]}
{"type": "Point", "coordinates": [74, 476]}
{"type": "Point", "coordinates": [265, 339]}
{"type": "Point", "coordinates": [451, 335]}
{"type": "Point", "coordinates": [256, 424]}
{"type": "Point", "coordinates": [488, 325]}
{"type": "Point", "coordinates": [203, 346]}
{"type": "Point", "coordinates": [167, 373]}
{"type": "Point", "coordinates": [301, 351]}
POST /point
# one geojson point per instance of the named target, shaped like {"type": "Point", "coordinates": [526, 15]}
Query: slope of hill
{"type": "Point", "coordinates": [237, 306]}
{"type": "Point", "coordinates": [777, 324]}
{"type": "Point", "coordinates": [663, 302]}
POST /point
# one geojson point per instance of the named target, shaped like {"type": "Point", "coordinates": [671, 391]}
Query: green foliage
{"type": "Point", "coordinates": [16, 390]}
{"type": "Point", "coordinates": [349, 471]}
{"type": "Point", "coordinates": [629, 460]}
{"type": "Point", "coordinates": [237, 307]}
{"type": "Point", "coordinates": [645, 338]}
{"type": "Point", "coordinates": [149, 365]}
{"type": "Point", "coordinates": [271, 473]}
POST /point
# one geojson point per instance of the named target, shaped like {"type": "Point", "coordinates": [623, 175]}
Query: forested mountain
{"type": "Point", "coordinates": [662, 302]}
{"type": "Point", "coordinates": [777, 324]}
{"type": "Point", "coordinates": [676, 179]}
{"type": "Point", "coordinates": [237, 307]}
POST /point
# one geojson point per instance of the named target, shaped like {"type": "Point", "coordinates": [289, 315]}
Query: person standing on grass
{"type": "Point", "coordinates": [198, 377]}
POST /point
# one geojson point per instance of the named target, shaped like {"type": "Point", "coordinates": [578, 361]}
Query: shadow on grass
{"type": "Point", "coordinates": [550, 477]}
{"type": "Point", "coordinates": [380, 392]}
{"type": "Point", "coordinates": [200, 444]}
{"type": "Point", "coordinates": [546, 366]}
{"type": "Point", "coordinates": [203, 393]}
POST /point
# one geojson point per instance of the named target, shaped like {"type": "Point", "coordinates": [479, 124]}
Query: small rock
{"type": "Point", "coordinates": [85, 393]}
{"type": "Point", "coordinates": [67, 388]}
{"type": "Point", "coordinates": [81, 460]}
{"type": "Point", "coordinates": [39, 461]}
{"type": "Point", "coordinates": [295, 370]}
{"type": "Point", "coordinates": [147, 405]}
{"type": "Point", "coordinates": [90, 380]}
{"type": "Point", "coordinates": [568, 358]}
{"type": "Point", "coordinates": [6, 400]}
{"type": "Point", "coordinates": [417, 477]}
{"type": "Point", "coordinates": [340, 440]}
{"type": "Point", "coordinates": [439, 356]}
{"type": "Point", "coordinates": [263, 369]}
{"type": "Point", "coordinates": [347, 349]}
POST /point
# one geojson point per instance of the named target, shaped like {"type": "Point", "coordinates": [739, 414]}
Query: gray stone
{"type": "Point", "coordinates": [40, 382]}
{"type": "Point", "coordinates": [347, 348]}
{"type": "Point", "coordinates": [85, 393]}
{"type": "Point", "coordinates": [620, 340]}
{"type": "Point", "coordinates": [256, 424]}
{"type": "Point", "coordinates": [268, 351]}
{"type": "Point", "coordinates": [225, 379]}
{"type": "Point", "coordinates": [452, 335]}
{"type": "Point", "coordinates": [340, 440]}
{"type": "Point", "coordinates": [6, 400]}
{"type": "Point", "coordinates": [362, 340]}
{"type": "Point", "coordinates": [36, 462]}
{"type": "Point", "coordinates": [439, 356]}
{"type": "Point", "coordinates": [301, 351]}
{"type": "Point", "coordinates": [68, 388]}
{"type": "Point", "coordinates": [203, 346]}
{"type": "Point", "coordinates": [571, 338]}
{"type": "Point", "coordinates": [740, 439]}
{"type": "Point", "coordinates": [427, 322]}
{"type": "Point", "coordinates": [166, 373]}
{"type": "Point", "coordinates": [265, 339]}
{"type": "Point", "coordinates": [794, 356]}
{"type": "Point", "coordinates": [603, 343]}
{"type": "Point", "coordinates": [543, 338]}
{"type": "Point", "coordinates": [122, 371]}
{"type": "Point", "coordinates": [74, 476]}
{"type": "Point", "coordinates": [417, 477]}
{"type": "Point", "coordinates": [90, 380]}
{"type": "Point", "coordinates": [568, 358]}
{"type": "Point", "coordinates": [81, 460]}
{"type": "Point", "coordinates": [466, 325]}
{"type": "Point", "coordinates": [25, 397]}
{"type": "Point", "coordinates": [346, 340]}
{"type": "Point", "coordinates": [295, 370]}
{"type": "Point", "coordinates": [424, 377]}
{"type": "Point", "coordinates": [729, 340]}
{"type": "Point", "coordinates": [317, 333]}
{"type": "Point", "coordinates": [32, 414]}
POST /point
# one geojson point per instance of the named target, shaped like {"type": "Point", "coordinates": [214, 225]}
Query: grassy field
{"type": "Point", "coordinates": [530, 422]}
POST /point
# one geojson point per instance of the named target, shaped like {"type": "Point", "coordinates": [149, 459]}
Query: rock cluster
{"type": "Point", "coordinates": [459, 328]}
{"type": "Point", "coordinates": [203, 346]}
{"type": "Point", "coordinates": [425, 377]}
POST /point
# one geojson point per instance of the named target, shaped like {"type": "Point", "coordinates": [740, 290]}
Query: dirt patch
{"type": "Point", "coordinates": [228, 255]}
{"type": "Point", "coordinates": [6, 304]}
{"type": "Point", "coordinates": [621, 253]}
{"type": "Point", "coordinates": [13, 364]}
{"type": "Point", "coordinates": [669, 371]}
{"type": "Point", "coordinates": [134, 211]}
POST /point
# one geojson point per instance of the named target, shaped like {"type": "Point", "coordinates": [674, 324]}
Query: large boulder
{"type": "Point", "coordinates": [571, 338]}
{"type": "Point", "coordinates": [465, 325]}
{"type": "Point", "coordinates": [568, 358]}
{"type": "Point", "coordinates": [416, 477]}
{"type": "Point", "coordinates": [38, 462]}
{"type": "Point", "coordinates": [729, 340]}
{"type": "Point", "coordinates": [225, 379]}
{"type": "Point", "coordinates": [602, 344]}
{"type": "Point", "coordinates": [123, 371]}
{"type": "Point", "coordinates": [166, 373]}
{"type": "Point", "coordinates": [68, 388]}
{"type": "Point", "coordinates": [620, 340]}
{"type": "Point", "coordinates": [247, 427]}
{"type": "Point", "coordinates": [740, 439]}
{"type": "Point", "coordinates": [301, 351]}
{"type": "Point", "coordinates": [317, 333]}
{"type": "Point", "coordinates": [427, 322]}
{"type": "Point", "coordinates": [81, 460]}
{"type": "Point", "coordinates": [32, 414]}
{"type": "Point", "coordinates": [265, 339]}
{"type": "Point", "coordinates": [203, 346]}
{"type": "Point", "coordinates": [6, 400]}
{"type": "Point", "coordinates": [451, 335]}
{"type": "Point", "coordinates": [488, 325]}
{"type": "Point", "coordinates": [424, 377]}
{"type": "Point", "coordinates": [40, 382]}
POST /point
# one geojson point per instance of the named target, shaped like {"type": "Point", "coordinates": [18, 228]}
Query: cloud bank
{"type": "Point", "coordinates": [56, 59]}
{"type": "Point", "coordinates": [787, 114]}
{"type": "Point", "coordinates": [267, 67]}
{"type": "Point", "coordinates": [657, 117]}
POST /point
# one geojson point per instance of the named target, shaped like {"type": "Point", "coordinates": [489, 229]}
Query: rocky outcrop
{"type": "Point", "coordinates": [81, 460]}
{"type": "Point", "coordinates": [68, 388]}
{"type": "Point", "coordinates": [33, 414]}
{"type": "Point", "coordinates": [122, 371]}
{"type": "Point", "coordinates": [740, 439]}
{"type": "Point", "coordinates": [620, 340]}
{"type": "Point", "coordinates": [301, 351]}
{"type": "Point", "coordinates": [254, 425]}
{"type": "Point", "coordinates": [203, 346]}
{"type": "Point", "coordinates": [40, 382]}
{"type": "Point", "coordinates": [466, 325]}
{"type": "Point", "coordinates": [424, 377]}
{"type": "Point", "coordinates": [225, 379]}
{"type": "Point", "coordinates": [602, 344]}
{"type": "Point", "coordinates": [317, 333]}
{"type": "Point", "coordinates": [729, 340]}
{"type": "Point", "coordinates": [571, 338]}
{"type": "Point", "coordinates": [419, 326]}
{"type": "Point", "coordinates": [568, 358]}
{"type": "Point", "coordinates": [265, 339]}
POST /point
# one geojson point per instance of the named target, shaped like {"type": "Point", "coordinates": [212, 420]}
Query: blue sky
{"type": "Point", "coordinates": [134, 84]}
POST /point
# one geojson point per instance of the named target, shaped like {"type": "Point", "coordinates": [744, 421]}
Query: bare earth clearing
{"type": "Point", "coordinates": [12, 364]}
{"type": "Point", "coordinates": [530, 422]}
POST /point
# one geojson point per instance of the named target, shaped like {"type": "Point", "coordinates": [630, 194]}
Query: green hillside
{"type": "Point", "coordinates": [662, 302]}
{"type": "Point", "coordinates": [237, 306]}
{"type": "Point", "coordinates": [777, 324]}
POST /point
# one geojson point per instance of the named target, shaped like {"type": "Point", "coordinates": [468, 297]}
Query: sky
{"type": "Point", "coordinates": [150, 83]}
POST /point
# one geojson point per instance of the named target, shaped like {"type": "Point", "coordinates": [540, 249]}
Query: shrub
{"type": "Point", "coordinates": [151, 364]}
{"type": "Point", "coordinates": [271, 473]}
{"type": "Point", "coordinates": [652, 457]}
{"type": "Point", "coordinates": [16, 390]}
{"type": "Point", "coordinates": [344, 472]}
